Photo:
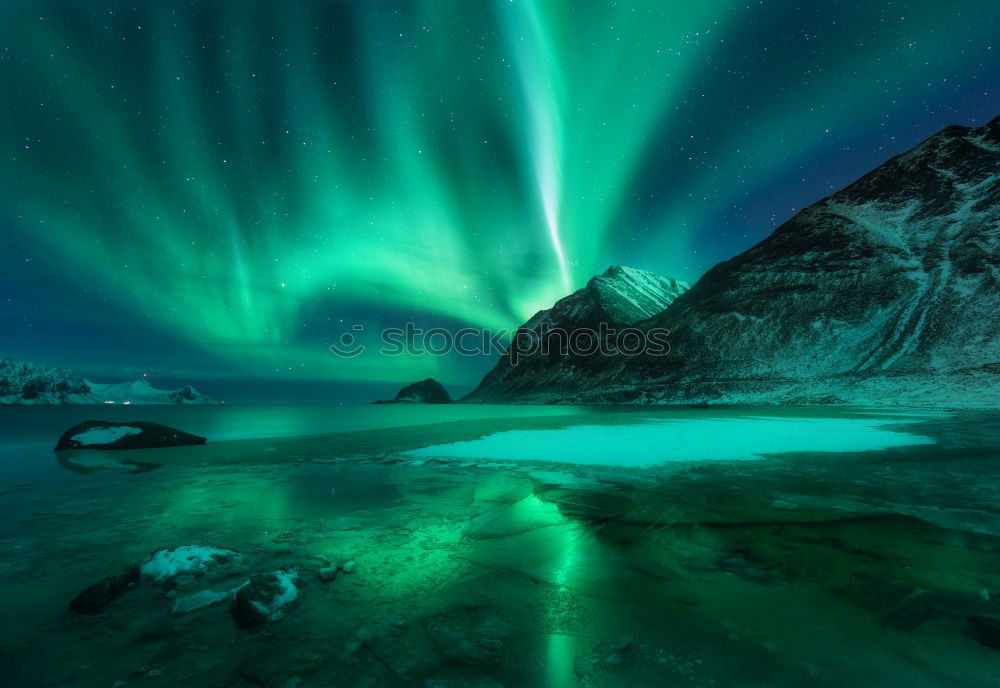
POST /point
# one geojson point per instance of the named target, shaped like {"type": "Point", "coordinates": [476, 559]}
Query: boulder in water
{"type": "Point", "coordinates": [428, 391]}
{"type": "Point", "coordinates": [101, 434]}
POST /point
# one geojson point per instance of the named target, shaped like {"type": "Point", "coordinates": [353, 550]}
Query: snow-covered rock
{"type": "Point", "coordinates": [265, 597]}
{"type": "Point", "coordinates": [102, 434]}
{"type": "Point", "coordinates": [33, 383]}
{"type": "Point", "coordinates": [164, 564]}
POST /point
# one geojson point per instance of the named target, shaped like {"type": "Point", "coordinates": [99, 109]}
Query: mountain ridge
{"type": "Point", "coordinates": [24, 383]}
{"type": "Point", "coordinates": [619, 297]}
{"type": "Point", "coordinates": [885, 291]}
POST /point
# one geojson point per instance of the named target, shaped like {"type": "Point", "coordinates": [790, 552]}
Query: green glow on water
{"type": "Point", "coordinates": [702, 439]}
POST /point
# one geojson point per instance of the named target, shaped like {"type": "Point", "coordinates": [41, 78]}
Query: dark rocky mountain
{"type": "Point", "coordinates": [427, 391]}
{"type": "Point", "coordinates": [30, 382]}
{"type": "Point", "coordinates": [33, 383]}
{"type": "Point", "coordinates": [616, 299]}
{"type": "Point", "coordinates": [885, 292]}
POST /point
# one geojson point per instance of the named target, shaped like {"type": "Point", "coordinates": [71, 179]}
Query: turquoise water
{"type": "Point", "coordinates": [28, 433]}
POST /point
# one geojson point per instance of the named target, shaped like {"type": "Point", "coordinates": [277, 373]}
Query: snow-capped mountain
{"type": "Point", "coordinates": [886, 292]}
{"type": "Point", "coordinates": [33, 383]}
{"type": "Point", "coordinates": [618, 298]}
{"type": "Point", "coordinates": [141, 392]}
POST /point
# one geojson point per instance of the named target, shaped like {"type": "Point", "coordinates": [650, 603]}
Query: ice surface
{"type": "Point", "coordinates": [703, 439]}
{"type": "Point", "coordinates": [205, 598]}
{"type": "Point", "coordinates": [105, 435]}
{"type": "Point", "coordinates": [528, 572]}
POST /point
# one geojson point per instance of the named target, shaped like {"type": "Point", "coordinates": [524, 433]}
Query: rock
{"type": "Point", "coordinates": [264, 598]}
{"type": "Point", "coordinates": [427, 391]}
{"type": "Point", "coordinates": [348, 567]}
{"type": "Point", "coordinates": [98, 596]}
{"type": "Point", "coordinates": [328, 573]}
{"type": "Point", "coordinates": [985, 630]}
{"type": "Point", "coordinates": [784, 504]}
{"type": "Point", "coordinates": [99, 434]}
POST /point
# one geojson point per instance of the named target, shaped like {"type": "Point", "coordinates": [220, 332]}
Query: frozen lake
{"type": "Point", "coordinates": [527, 546]}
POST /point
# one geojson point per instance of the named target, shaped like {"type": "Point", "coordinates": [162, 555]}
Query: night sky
{"type": "Point", "coordinates": [212, 192]}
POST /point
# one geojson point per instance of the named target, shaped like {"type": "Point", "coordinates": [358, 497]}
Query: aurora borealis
{"type": "Point", "coordinates": [220, 189]}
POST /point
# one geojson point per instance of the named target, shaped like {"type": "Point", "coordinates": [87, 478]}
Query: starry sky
{"type": "Point", "coordinates": [214, 191]}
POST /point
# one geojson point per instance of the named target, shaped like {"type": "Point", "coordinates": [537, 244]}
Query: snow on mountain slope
{"type": "Point", "coordinates": [896, 277]}
{"type": "Point", "coordinates": [141, 392]}
{"type": "Point", "coordinates": [618, 298]}
{"type": "Point", "coordinates": [885, 292]}
{"type": "Point", "coordinates": [33, 383]}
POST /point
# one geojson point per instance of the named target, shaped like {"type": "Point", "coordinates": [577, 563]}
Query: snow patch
{"type": "Point", "coordinates": [167, 563]}
{"type": "Point", "coordinates": [286, 594]}
{"type": "Point", "coordinates": [105, 435]}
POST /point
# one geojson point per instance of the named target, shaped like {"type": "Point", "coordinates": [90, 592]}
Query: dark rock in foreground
{"type": "Point", "coordinates": [985, 629]}
{"type": "Point", "coordinates": [98, 596]}
{"type": "Point", "coordinates": [427, 391]}
{"type": "Point", "coordinates": [100, 434]}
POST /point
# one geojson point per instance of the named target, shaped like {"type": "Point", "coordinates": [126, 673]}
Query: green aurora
{"type": "Point", "coordinates": [234, 184]}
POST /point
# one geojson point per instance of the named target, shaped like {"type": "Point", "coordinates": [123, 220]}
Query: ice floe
{"type": "Point", "coordinates": [199, 600]}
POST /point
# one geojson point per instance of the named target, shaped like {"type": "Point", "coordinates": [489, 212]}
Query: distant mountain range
{"type": "Point", "coordinates": [32, 383]}
{"type": "Point", "coordinates": [886, 292]}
